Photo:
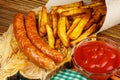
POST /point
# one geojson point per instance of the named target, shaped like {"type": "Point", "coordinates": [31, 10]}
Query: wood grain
{"type": "Point", "coordinates": [113, 33]}
{"type": "Point", "coordinates": [8, 8]}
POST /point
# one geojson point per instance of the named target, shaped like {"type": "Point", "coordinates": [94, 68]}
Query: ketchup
{"type": "Point", "coordinates": [97, 57]}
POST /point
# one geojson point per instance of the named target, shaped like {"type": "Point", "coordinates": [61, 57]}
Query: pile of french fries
{"type": "Point", "coordinates": [70, 23]}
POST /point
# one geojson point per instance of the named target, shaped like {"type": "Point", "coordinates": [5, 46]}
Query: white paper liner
{"type": "Point", "coordinates": [113, 14]}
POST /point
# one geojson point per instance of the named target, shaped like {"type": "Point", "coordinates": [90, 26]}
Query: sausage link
{"type": "Point", "coordinates": [26, 46]}
{"type": "Point", "coordinates": [37, 40]}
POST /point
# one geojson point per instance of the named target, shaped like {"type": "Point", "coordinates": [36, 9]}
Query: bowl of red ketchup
{"type": "Point", "coordinates": [96, 57]}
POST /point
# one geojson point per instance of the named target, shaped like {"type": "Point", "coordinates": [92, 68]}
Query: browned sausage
{"type": "Point", "coordinates": [38, 41]}
{"type": "Point", "coordinates": [26, 46]}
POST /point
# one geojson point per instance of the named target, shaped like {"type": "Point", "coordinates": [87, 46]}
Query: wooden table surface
{"type": "Point", "coordinates": [8, 8]}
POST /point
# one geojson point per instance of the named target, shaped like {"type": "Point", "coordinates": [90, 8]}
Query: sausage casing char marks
{"type": "Point", "coordinates": [26, 46]}
{"type": "Point", "coordinates": [37, 40]}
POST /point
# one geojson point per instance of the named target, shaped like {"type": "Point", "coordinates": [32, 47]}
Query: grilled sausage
{"type": "Point", "coordinates": [26, 46]}
{"type": "Point", "coordinates": [37, 40]}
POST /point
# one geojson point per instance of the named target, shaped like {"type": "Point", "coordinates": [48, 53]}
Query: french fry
{"type": "Point", "coordinates": [51, 39]}
{"type": "Point", "coordinates": [54, 8]}
{"type": "Point", "coordinates": [85, 34]}
{"type": "Point", "coordinates": [60, 9]}
{"type": "Point", "coordinates": [67, 23]}
{"type": "Point", "coordinates": [74, 24]}
{"type": "Point", "coordinates": [39, 21]}
{"type": "Point", "coordinates": [101, 22]}
{"type": "Point", "coordinates": [39, 18]}
{"type": "Point", "coordinates": [101, 9]}
{"type": "Point", "coordinates": [54, 22]}
{"type": "Point", "coordinates": [74, 12]}
{"type": "Point", "coordinates": [58, 43]}
{"type": "Point", "coordinates": [49, 22]}
{"type": "Point", "coordinates": [76, 16]}
{"type": "Point", "coordinates": [95, 4]}
{"type": "Point", "coordinates": [95, 18]}
{"type": "Point", "coordinates": [43, 20]}
{"type": "Point", "coordinates": [62, 31]}
{"type": "Point", "coordinates": [70, 5]}
{"type": "Point", "coordinates": [79, 28]}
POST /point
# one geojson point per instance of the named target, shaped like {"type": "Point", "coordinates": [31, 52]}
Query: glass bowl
{"type": "Point", "coordinates": [96, 57]}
